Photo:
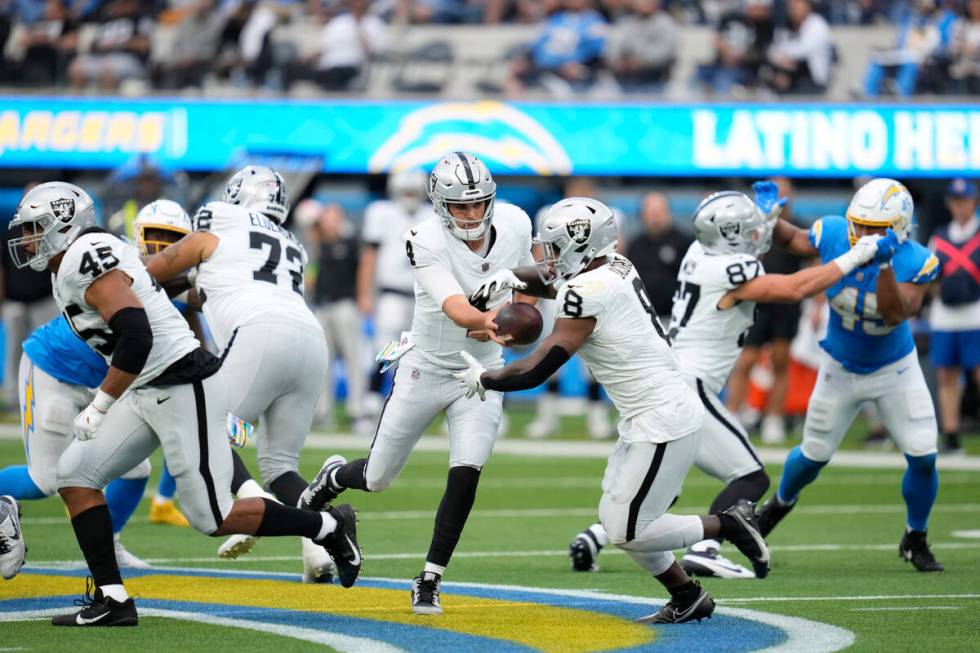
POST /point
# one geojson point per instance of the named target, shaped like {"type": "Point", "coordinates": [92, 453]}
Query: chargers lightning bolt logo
{"type": "Point", "coordinates": [29, 404]}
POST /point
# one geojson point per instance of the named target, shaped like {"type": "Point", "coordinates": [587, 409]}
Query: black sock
{"type": "Point", "coordinates": [751, 486]}
{"type": "Point", "coordinates": [952, 439]}
{"type": "Point", "coordinates": [93, 530]}
{"type": "Point", "coordinates": [351, 475]}
{"type": "Point", "coordinates": [593, 392]}
{"type": "Point", "coordinates": [240, 472]}
{"type": "Point", "coordinates": [453, 511]}
{"type": "Point", "coordinates": [288, 487]}
{"type": "Point", "coordinates": [553, 386]}
{"type": "Point", "coordinates": [377, 379]}
{"type": "Point", "coordinates": [729, 526]}
{"type": "Point", "coordinates": [686, 593]}
{"type": "Point", "coordinates": [286, 520]}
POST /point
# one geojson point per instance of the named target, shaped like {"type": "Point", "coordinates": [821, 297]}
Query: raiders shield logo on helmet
{"type": "Point", "coordinates": [234, 187]}
{"type": "Point", "coordinates": [730, 230]}
{"type": "Point", "coordinates": [63, 209]}
{"type": "Point", "coordinates": [579, 230]}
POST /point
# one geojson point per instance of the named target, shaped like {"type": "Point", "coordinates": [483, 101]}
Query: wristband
{"type": "Point", "coordinates": [847, 262]}
{"type": "Point", "coordinates": [103, 401]}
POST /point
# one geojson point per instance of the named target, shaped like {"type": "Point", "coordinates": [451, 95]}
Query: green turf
{"type": "Point", "coordinates": [872, 516]}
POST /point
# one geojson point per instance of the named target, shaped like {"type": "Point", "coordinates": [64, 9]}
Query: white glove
{"type": "Point", "coordinates": [502, 280]}
{"type": "Point", "coordinates": [87, 423]}
{"type": "Point", "coordinates": [862, 252]}
{"type": "Point", "coordinates": [471, 376]}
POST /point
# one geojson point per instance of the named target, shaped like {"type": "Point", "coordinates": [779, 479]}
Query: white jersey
{"type": "Point", "coordinates": [255, 274]}
{"type": "Point", "coordinates": [706, 339]}
{"type": "Point", "coordinates": [89, 257]}
{"type": "Point", "coordinates": [627, 352]}
{"type": "Point", "coordinates": [437, 338]}
{"type": "Point", "coordinates": [385, 225]}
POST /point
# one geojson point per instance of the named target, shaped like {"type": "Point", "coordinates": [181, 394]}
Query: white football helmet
{"type": "Point", "coordinates": [49, 218]}
{"type": "Point", "coordinates": [155, 221]}
{"type": "Point", "coordinates": [574, 232]}
{"type": "Point", "coordinates": [461, 178]}
{"type": "Point", "coordinates": [730, 222]}
{"type": "Point", "coordinates": [259, 189]}
{"type": "Point", "coordinates": [881, 202]}
{"type": "Point", "coordinates": [406, 188]}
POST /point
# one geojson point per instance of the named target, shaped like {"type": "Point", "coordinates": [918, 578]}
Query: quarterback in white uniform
{"type": "Point", "coordinates": [250, 277]}
{"type": "Point", "coordinates": [450, 256]}
{"type": "Point", "coordinates": [718, 285]}
{"type": "Point", "coordinates": [604, 313]}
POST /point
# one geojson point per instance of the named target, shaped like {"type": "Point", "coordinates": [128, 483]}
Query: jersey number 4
{"type": "Point", "coordinates": [97, 261]}
{"type": "Point", "coordinates": [259, 240]}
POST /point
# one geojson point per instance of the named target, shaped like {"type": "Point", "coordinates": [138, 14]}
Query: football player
{"type": "Point", "coordinates": [718, 285]}
{"type": "Point", "coordinates": [250, 276]}
{"type": "Point", "coordinates": [869, 356]}
{"type": "Point", "coordinates": [604, 313]}
{"type": "Point", "coordinates": [450, 255]}
{"type": "Point", "coordinates": [161, 387]}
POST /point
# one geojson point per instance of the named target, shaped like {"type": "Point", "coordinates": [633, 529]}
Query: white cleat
{"type": "Point", "coordinates": [126, 559]}
{"type": "Point", "coordinates": [704, 559]}
{"type": "Point", "coordinates": [12, 547]}
{"type": "Point", "coordinates": [237, 545]}
{"type": "Point", "coordinates": [318, 567]}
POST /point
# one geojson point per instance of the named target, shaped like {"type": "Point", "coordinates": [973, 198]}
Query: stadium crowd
{"type": "Point", "coordinates": [622, 46]}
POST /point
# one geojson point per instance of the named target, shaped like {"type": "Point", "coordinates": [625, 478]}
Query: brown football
{"type": "Point", "coordinates": [519, 323]}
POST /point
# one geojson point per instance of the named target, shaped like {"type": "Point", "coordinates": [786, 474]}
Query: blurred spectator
{"type": "Point", "coordinates": [445, 12]}
{"type": "Point", "coordinates": [245, 53]}
{"type": "Point", "coordinates": [348, 42]}
{"type": "Point", "coordinates": [802, 54]}
{"type": "Point", "coordinates": [965, 51]}
{"type": "Point", "coordinates": [119, 49]}
{"type": "Point", "coordinates": [48, 44]}
{"type": "Point", "coordinates": [196, 38]}
{"type": "Point", "coordinates": [924, 36]}
{"type": "Point", "coordinates": [567, 53]}
{"type": "Point", "coordinates": [657, 251]}
{"type": "Point", "coordinates": [334, 239]}
{"type": "Point", "coordinates": [741, 40]}
{"type": "Point", "coordinates": [642, 47]}
{"type": "Point", "coordinates": [131, 190]}
{"type": "Point", "coordinates": [955, 314]}
{"type": "Point", "coordinates": [775, 325]}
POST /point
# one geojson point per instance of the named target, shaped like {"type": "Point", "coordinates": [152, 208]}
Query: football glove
{"type": "Point", "coordinates": [861, 253]}
{"type": "Point", "coordinates": [767, 198]}
{"type": "Point", "coordinates": [886, 248]}
{"type": "Point", "coordinates": [87, 423]}
{"type": "Point", "coordinates": [502, 280]}
{"type": "Point", "coordinates": [471, 376]}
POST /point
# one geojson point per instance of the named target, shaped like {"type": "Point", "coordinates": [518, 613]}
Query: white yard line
{"type": "Point", "coordinates": [906, 608]}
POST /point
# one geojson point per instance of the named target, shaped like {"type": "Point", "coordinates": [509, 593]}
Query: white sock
{"type": "Point", "coordinates": [250, 490]}
{"type": "Point", "coordinates": [600, 533]}
{"type": "Point", "coordinates": [115, 592]}
{"type": "Point", "coordinates": [432, 568]}
{"type": "Point", "coordinates": [329, 525]}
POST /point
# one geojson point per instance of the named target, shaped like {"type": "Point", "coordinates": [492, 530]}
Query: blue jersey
{"type": "Point", "coordinates": [56, 349]}
{"type": "Point", "coordinates": [857, 336]}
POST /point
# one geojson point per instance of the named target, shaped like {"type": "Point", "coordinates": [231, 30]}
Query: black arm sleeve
{"type": "Point", "coordinates": [554, 359]}
{"type": "Point", "coordinates": [134, 339]}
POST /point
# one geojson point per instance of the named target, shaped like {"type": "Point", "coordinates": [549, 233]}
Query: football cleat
{"type": "Point", "coordinates": [126, 559]}
{"type": "Point", "coordinates": [317, 565]}
{"type": "Point", "coordinates": [700, 608]}
{"type": "Point", "coordinates": [321, 490]}
{"type": "Point", "coordinates": [704, 559]}
{"type": "Point", "coordinates": [341, 544]}
{"type": "Point", "coordinates": [167, 512]}
{"type": "Point", "coordinates": [583, 551]}
{"type": "Point", "coordinates": [771, 513]}
{"type": "Point", "coordinates": [99, 610]}
{"type": "Point", "coordinates": [12, 547]}
{"type": "Point", "coordinates": [748, 539]}
{"type": "Point", "coordinates": [915, 549]}
{"type": "Point", "coordinates": [237, 545]}
{"type": "Point", "coordinates": [425, 594]}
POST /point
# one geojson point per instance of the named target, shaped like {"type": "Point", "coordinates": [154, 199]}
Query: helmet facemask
{"type": "Point", "coordinates": [154, 238]}
{"type": "Point", "coordinates": [49, 218]}
{"type": "Point", "coordinates": [462, 179]}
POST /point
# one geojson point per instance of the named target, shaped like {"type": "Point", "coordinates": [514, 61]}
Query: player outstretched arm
{"type": "Point", "coordinates": [525, 280]}
{"type": "Point", "coordinates": [786, 235]}
{"type": "Point", "coordinates": [187, 252]}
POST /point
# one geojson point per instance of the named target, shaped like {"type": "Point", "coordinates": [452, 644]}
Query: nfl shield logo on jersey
{"type": "Point", "coordinates": [63, 209]}
{"type": "Point", "coordinates": [730, 230]}
{"type": "Point", "coordinates": [485, 267]}
{"type": "Point", "coordinates": [579, 230]}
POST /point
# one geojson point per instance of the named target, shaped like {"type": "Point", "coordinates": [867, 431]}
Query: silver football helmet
{"type": "Point", "coordinates": [159, 224]}
{"type": "Point", "coordinates": [574, 232]}
{"type": "Point", "coordinates": [406, 188]}
{"type": "Point", "coordinates": [730, 222]}
{"type": "Point", "coordinates": [49, 218]}
{"type": "Point", "coordinates": [259, 189]}
{"type": "Point", "coordinates": [461, 178]}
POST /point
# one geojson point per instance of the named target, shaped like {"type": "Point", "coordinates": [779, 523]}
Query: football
{"type": "Point", "coordinates": [519, 323]}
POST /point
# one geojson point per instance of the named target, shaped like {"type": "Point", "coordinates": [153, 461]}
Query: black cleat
{"type": "Point", "coordinates": [771, 513]}
{"type": "Point", "coordinates": [342, 544]}
{"type": "Point", "coordinates": [321, 490]}
{"type": "Point", "coordinates": [583, 551]}
{"type": "Point", "coordinates": [425, 594]}
{"type": "Point", "coordinates": [99, 611]}
{"type": "Point", "coordinates": [914, 548]}
{"type": "Point", "coordinates": [700, 608]}
{"type": "Point", "coordinates": [747, 538]}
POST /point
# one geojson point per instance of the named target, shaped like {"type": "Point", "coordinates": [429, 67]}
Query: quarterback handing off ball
{"type": "Point", "coordinates": [519, 323]}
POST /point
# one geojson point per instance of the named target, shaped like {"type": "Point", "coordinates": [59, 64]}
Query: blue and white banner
{"type": "Point", "coordinates": [544, 139]}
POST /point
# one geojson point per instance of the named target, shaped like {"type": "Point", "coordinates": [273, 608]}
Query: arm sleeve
{"type": "Point", "coordinates": [438, 282]}
{"type": "Point", "coordinates": [554, 359]}
{"type": "Point", "coordinates": [134, 339]}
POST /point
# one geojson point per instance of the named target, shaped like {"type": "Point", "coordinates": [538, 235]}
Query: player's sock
{"type": "Point", "coordinates": [594, 393]}
{"type": "Point", "coordinates": [453, 511]}
{"type": "Point", "coordinates": [798, 472]}
{"type": "Point", "coordinates": [433, 568]}
{"type": "Point", "coordinates": [17, 482]}
{"type": "Point", "coordinates": [288, 487]}
{"type": "Point", "coordinates": [685, 594]}
{"type": "Point", "coordinates": [919, 487]}
{"type": "Point", "coordinates": [240, 473]}
{"type": "Point", "coordinates": [284, 520]}
{"type": "Point", "coordinates": [167, 486]}
{"type": "Point", "coordinates": [553, 386]}
{"type": "Point", "coordinates": [351, 475]}
{"type": "Point", "coordinates": [751, 487]}
{"type": "Point", "coordinates": [951, 441]}
{"type": "Point", "coordinates": [93, 530]}
{"type": "Point", "coordinates": [600, 534]}
{"type": "Point", "coordinates": [123, 495]}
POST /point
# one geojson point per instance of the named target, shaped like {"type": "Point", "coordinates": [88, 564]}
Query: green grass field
{"type": "Point", "coordinates": [835, 558]}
